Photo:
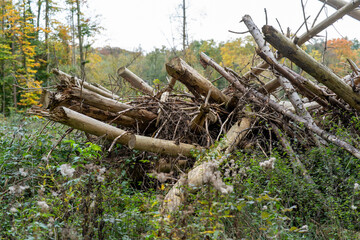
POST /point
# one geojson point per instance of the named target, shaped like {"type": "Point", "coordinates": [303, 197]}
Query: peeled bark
{"type": "Point", "coordinates": [311, 66]}
{"type": "Point", "coordinates": [87, 124]}
{"type": "Point", "coordinates": [195, 82]}
{"type": "Point", "coordinates": [135, 81]}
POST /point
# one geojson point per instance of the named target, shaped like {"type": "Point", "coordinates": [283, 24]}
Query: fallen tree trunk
{"type": "Point", "coordinates": [87, 124]}
{"type": "Point", "coordinates": [266, 53]}
{"type": "Point", "coordinates": [307, 88]}
{"type": "Point", "coordinates": [99, 114]}
{"type": "Point", "coordinates": [106, 104]}
{"type": "Point", "coordinates": [277, 107]}
{"type": "Point", "coordinates": [271, 86]}
{"type": "Point", "coordinates": [195, 82]}
{"type": "Point", "coordinates": [337, 4]}
{"type": "Point", "coordinates": [70, 81]}
{"type": "Point", "coordinates": [311, 66]}
{"type": "Point", "coordinates": [327, 22]}
{"type": "Point", "coordinates": [136, 81]}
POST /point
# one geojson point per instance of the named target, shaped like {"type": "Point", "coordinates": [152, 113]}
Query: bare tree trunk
{"type": "Point", "coordinates": [184, 33]}
{"type": "Point", "coordinates": [141, 143]}
{"type": "Point", "coordinates": [47, 8]}
{"type": "Point", "coordinates": [72, 17]}
{"type": "Point", "coordinates": [101, 115]}
{"type": "Point", "coordinates": [2, 61]}
{"type": "Point", "coordinates": [337, 4]}
{"type": "Point", "coordinates": [311, 66]}
{"type": "Point", "coordinates": [39, 3]}
{"type": "Point", "coordinates": [80, 38]}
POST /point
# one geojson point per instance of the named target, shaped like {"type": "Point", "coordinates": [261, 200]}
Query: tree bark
{"type": "Point", "coordinates": [98, 128]}
{"type": "Point", "coordinates": [337, 4]}
{"type": "Point", "coordinates": [311, 66]}
{"type": "Point", "coordinates": [195, 82]}
{"type": "Point", "coordinates": [135, 81]}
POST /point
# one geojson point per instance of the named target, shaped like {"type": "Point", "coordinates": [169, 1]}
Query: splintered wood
{"type": "Point", "coordinates": [243, 115]}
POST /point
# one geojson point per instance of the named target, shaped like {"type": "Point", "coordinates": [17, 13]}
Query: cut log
{"type": "Point", "coordinates": [195, 82]}
{"type": "Point", "coordinates": [70, 81]}
{"type": "Point", "coordinates": [270, 86]}
{"type": "Point", "coordinates": [337, 4]}
{"type": "Point", "coordinates": [321, 73]}
{"type": "Point", "coordinates": [99, 114]}
{"type": "Point", "coordinates": [87, 124]}
{"type": "Point", "coordinates": [136, 81]}
{"type": "Point", "coordinates": [106, 104]}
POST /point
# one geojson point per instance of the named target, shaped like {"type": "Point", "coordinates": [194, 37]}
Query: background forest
{"type": "Point", "coordinates": [35, 38]}
{"type": "Point", "coordinates": [56, 184]}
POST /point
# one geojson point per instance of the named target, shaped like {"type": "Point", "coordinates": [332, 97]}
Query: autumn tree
{"type": "Point", "coordinates": [237, 54]}
{"type": "Point", "coordinates": [338, 50]}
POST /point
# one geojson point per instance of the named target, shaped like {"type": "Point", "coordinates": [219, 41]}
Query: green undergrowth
{"type": "Point", "coordinates": [80, 192]}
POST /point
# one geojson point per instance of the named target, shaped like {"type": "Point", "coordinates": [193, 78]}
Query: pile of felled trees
{"type": "Point", "coordinates": [177, 124]}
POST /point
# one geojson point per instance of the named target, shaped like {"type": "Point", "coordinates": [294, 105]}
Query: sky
{"type": "Point", "coordinates": [150, 24]}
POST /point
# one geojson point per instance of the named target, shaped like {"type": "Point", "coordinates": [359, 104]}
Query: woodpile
{"type": "Point", "coordinates": [243, 115]}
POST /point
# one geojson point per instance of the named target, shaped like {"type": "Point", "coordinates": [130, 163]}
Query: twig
{"type": "Point", "coordinates": [238, 32]}
{"type": "Point", "coordinates": [318, 14]}
{"type": "Point", "coordinates": [266, 17]}
{"type": "Point", "coordinates": [280, 26]}
{"type": "Point", "coordinates": [300, 27]}
{"type": "Point", "coordinates": [304, 15]}
{"type": "Point", "coordinates": [38, 135]}
{"type": "Point", "coordinates": [115, 140]}
{"type": "Point", "coordinates": [57, 143]}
